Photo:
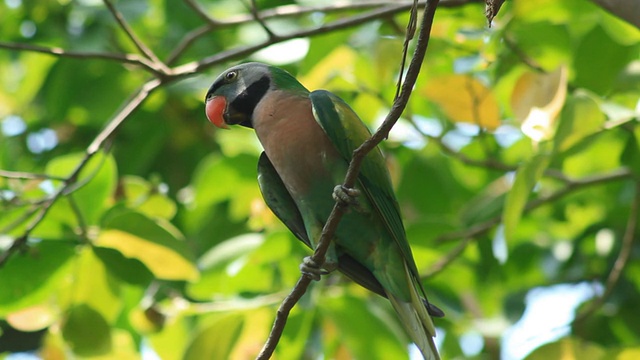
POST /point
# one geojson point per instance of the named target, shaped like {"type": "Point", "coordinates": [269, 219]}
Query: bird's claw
{"type": "Point", "coordinates": [312, 269]}
{"type": "Point", "coordinates": [346, 196]}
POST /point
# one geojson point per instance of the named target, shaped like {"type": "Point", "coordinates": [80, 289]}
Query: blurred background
{"type": "Point", "coordinates": [131, 228]}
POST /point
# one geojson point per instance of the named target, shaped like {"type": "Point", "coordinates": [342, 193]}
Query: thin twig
{"type": "Point", "coordinates": [187, 41]}
{"type": "Point", "coordinates": [619, 264]}
{"type": "Point", "coordinates": [411, 30]}
{"type": "Point", "coordinates": [202, 13]}
{"type": "Point", "coordinates": [146, 51]}
{"type": "Point", "coordinates": [352, 173]}
{"type": "Point", "coordinates": [21, 175]}
{"type": "Point", "coordinates": [197, 66]}
{"type": "Point", "coordinates": [473, 232]}
{"type": "Point", "coordinates": [482, 228]}
{"type": "Point", "coordinates": [133, 103]}
{"type": "Point", "coordinates": [297, 10]}
{"type": "Point", "coordinates": [572, 186]}
{"type": "Point", "coordinates": [59, 52]}
{"type": "Point", "coordinates": [256, 16]}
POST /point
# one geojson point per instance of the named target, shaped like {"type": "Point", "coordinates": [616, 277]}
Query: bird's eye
{"type": "Point", "coordinates": [231, 75]}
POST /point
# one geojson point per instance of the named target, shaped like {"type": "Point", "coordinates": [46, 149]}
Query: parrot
{"type": "Point", "coordinates": [308, 140]}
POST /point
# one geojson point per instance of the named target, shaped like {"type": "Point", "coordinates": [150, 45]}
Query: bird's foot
{"type": "Point", "coordinates": [347, 196]}
{"type": "Point", "coordinates": [312, 269]}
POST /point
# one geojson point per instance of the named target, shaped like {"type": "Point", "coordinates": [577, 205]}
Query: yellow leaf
{"type": "Point", "coordinates": [629, 354]}
{"type": "Point", "coordinates": [536, 101]}
{"type": "Point", "coordinates": [162, 261]}
{"type": "Point", "coordinates": [464, 99]}
{"type": "Point", "coordinates": [339, 62]}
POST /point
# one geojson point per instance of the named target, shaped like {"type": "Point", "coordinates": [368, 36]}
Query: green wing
{"type": "Point", "coordinates": [347, 132]}
{"type": "Point", "coordinates": [284, 207]}
{"type": "Point", "coordinates": [279, 200]}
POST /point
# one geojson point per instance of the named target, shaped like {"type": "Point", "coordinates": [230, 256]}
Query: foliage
{"type": "Point", "coordinates": [515, 163]}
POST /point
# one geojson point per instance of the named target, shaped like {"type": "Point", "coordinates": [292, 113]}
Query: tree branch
{"type": "Point", "coordinates": [68, 183]}
{"type": "Point", "coordinates": [146, 51]}
{"type": "Point", "coordinates": [197, 66]}
{"type": "Point", "coordinates": [619, 264]}
{"type": "Point", "coordinates": [352, 173]}
{"type": "Point", "coordinates": [255, 13]}
{"type": "Point", "coordinates": [59, 52]}
{"type": "Point", "coordinates": [482, 228]}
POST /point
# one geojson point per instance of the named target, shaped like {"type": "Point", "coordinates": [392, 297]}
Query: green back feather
{"type": "Point", "coordinates": [347, 134]}
{"type": "Point", "coordinates": [285, 81]}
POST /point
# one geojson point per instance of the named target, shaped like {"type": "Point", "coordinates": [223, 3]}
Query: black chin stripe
{"type": "Point", "coordinates": [247, 100]}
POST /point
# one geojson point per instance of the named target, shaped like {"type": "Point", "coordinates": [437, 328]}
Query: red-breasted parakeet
{"type": "Point", "coordinates": [308, 140]}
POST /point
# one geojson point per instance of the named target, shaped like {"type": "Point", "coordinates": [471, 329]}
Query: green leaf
{"type": "Point", "coordinates": [600, 154]}
{"type": "Point", "coordinates": [527, 176]}
{"type": "Point", "coordinates": [219, 179]}
{"type": "Point", "coordinates": [599, 73]}
{"type": "Point", "coordinates": [226, 266]}
{"type": "Point", "coordinates": [95, 287]}
{"type": "Point", "coordinates": [86, 331]}
{"type": "Point", "coordinates": [631, 154]}
{"type": "Point", "coordinates": [569, 348]}
{"type": "Point", "coordinates": [130, 270]}
{"type": "Point", "coordinates": [97, 180]}
{"type": "Point", "coordinates": [156, 244]}
{"type": "Point", "coordinates": [216, 341]}
{"type": "Point", "coordinates": [30, 278]}
{"type": "Point", "coordinates": [368, 331]}
{"type": "Point", "coordinates": [143, 196]}
{"type": "Point", "coordinates": [549, 45]}
{"type": "Point", "coordinates": [580, 118]}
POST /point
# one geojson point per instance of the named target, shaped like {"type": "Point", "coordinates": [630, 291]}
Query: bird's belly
{"type": "Point", "coordinates": [305, 159]}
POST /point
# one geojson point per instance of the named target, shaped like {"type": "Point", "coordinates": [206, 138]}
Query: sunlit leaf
{"type": "Point", "coordinates": [95, 286]}
{"type": "Point", "coordinates": [464, 99]}
{"type": "Point", "coordinates": [336, 64]}
{"type": "Point", "coordinates": [145, 198]}
{"type": "Point", "coordinates": [365, 329]}
{"type": "Point", "coordinates": [30, 278]}
{"type": "Point", "coordinates": [581, 117]}
{"type": "Point", "coordinates": [216, 341]}
{"type": "Point", "coordinates": [159, 247]}
{"type": "Point", "coordinates": [86, 331]}
{"type": "Point", "coordinates": [599, 73]}
{"type": "Point", "coordinates": [97, 180]}
{"type": "Point", "coordinates": [628, 354]}
{"type": "Point", "coordinates": [549, 54]}
{"type": "Point", "coordinates": [569, 349]}
{"type": "Point", "coordinates": [527, 176]}
{"type": "Point", "coordinates": [33, 318]}
{"type": "Point", "coordinates": [172, 339]}
{"type": "Point", "coordinates": [128, 269]}
{"type": "Point", "coordinates": [537, 100]}
{"type": "Point", "coordinates": [602, 154]}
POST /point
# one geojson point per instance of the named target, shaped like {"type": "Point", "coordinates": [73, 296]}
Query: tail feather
{"type": "Point", "coordinates": [416, 320]}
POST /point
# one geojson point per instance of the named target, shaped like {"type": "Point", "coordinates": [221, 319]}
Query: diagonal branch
{"type": "Point", "coordinates": [146, 51]}
{"type": "Point", "coordinates": [619, 264]}
{"type": "Point", "coordinates": [68, 183]}
{"type": "Point", "coordinates": [380, 12]}
{"type": "Point", "coordinates": [256, 16]}
{"type": "Point", "coordinates": [352, 173]}
{"type": "Point", "coordinates": [56, 51]}
{"type": "Point", "coordinates": [482, 228]}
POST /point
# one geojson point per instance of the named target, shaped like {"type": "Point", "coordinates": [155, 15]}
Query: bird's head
{"type": "Point", "coordinates": [234, 95]}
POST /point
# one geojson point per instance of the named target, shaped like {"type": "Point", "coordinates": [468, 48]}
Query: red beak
{"type": "Point", "coordinates": [214, 108]}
